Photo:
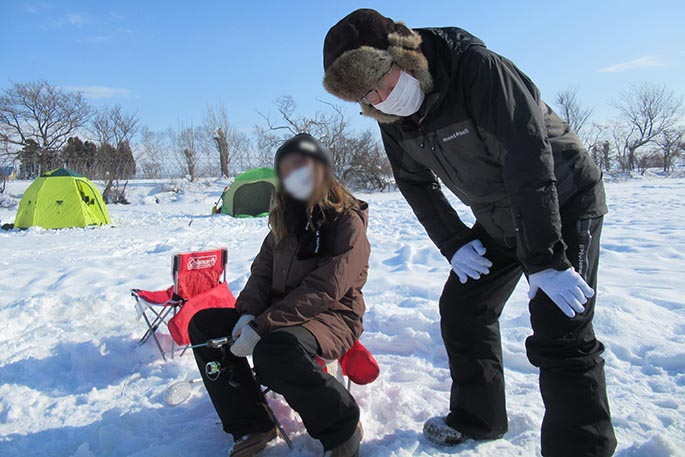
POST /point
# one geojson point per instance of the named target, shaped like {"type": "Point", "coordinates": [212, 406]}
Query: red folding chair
{"type": "Point", "coordinates": [199, 283]}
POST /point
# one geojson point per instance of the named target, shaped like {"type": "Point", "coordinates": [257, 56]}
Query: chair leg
{"type": "Point", "coordinates": [272, 416]}
{"type": "Point", "coordinates": [173, 343]}
{"type": "Point", "coordinates": [154, 325]}
{"type": "Point", "coordinates": [151, 328]}
{"type": "Point", "coordinates": [159, 346]}
{"type": "Point", "coordinates": [160, 317]}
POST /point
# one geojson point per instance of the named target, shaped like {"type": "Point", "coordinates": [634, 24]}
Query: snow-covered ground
{"type": "Point", "coordinates": [73, 381]}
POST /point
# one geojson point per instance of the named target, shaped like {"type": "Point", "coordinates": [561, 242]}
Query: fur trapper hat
{"type": "Point", "coordinates": [361, 47]}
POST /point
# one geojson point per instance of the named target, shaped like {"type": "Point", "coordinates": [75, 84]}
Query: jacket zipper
{"type": "Point", "coordinates": [503, 234]}
{"type": "Point", "coordinates": [290, 266]}
{"type": "Point", "coordinates": [520, 230]}
{"type": "Point", "coordinates": [423, 137]}
{"type": "Point", "coordinates": [442, 160]}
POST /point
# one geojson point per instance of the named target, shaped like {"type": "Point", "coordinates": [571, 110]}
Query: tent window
{"type": "Point", "coordinates": [253, 199]}
{"type": "Point", "coordinates": [84, 193]}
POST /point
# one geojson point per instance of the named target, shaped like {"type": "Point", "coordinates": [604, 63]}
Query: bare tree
{"type": "Point", "coordinates": [357, 157]}
{"type": "Point", "coordinates": [671, 143]}
{"type": "Point", "coordinates": [114, 126]}
{"type": "Point", "coordinates": [6, 146]}
{"type": "Point", "coordinates": [620, 138]}
{"type": "Point", "coordinates": [114, 130]}
{"type": "Point", "coordinates": [605, 154]}
{"type": "Point", "coordinates": [369, 168]}
{"type": "Point", "coordinates": [283, 125]}
{"type": "Point", "coordinates": [186, 146]}
{"type": "Point", "coordinates": [598, 145]}
{"type": "Point", "coordinates": [223, 138]}
{"type": "Point", "coordinates": [266, 144]}
{"type": "Point", "coordinates": [116, 165]}
{"type": "Point", "coordinates": [152, 156]}
{"type": "Point", "coordinates": [330, 127]}
{"type": "Point", "coordinates": [646, 111]}
{"type": "Point", "coordinates": [571, 110]}
{"type": "Point", "coordinates": [40, 117]}
{"type": "Point", "coordinates": [5, 172]}
{"type": "Point", "coordinates": [191, 162]}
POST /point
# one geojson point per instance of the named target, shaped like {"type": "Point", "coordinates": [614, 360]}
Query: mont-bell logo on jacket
{"type": "Point", "coordinates": [456, 134]}
{"type": "Point", "coordinates": [199, 263]}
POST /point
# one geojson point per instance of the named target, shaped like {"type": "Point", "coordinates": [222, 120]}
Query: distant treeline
{"type": "Point", "coordinates": [44, 127]}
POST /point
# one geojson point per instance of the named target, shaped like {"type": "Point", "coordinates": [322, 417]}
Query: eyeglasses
{"type": "Point", "coordinates": [373, 97]}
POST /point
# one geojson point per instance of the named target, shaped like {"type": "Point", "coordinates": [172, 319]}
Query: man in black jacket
{"type": "Point", "coordinates": [449, 108]}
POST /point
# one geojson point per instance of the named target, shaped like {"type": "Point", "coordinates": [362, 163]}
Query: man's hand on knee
{"type": "Point", "coordinates": [470, 261]}
{"type": "Point", "coordinates": [566, 288]}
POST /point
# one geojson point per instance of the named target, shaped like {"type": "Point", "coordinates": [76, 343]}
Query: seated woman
{"type": "Point", "coordinates": [303, 299]}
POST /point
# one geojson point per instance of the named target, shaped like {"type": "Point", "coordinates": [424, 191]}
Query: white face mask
{"type": "Point", "coordinates": [405, 99]}
{"type": "Point", "coordinates": [300, 183]}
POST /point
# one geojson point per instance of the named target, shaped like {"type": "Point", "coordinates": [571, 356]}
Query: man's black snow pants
{"type": "Point", "coordinates": [284, 362]}
{"type": "Point", "coordinates": [577, 421]}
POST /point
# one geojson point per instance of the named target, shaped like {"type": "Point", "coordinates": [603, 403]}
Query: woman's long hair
{"type": "Point", "coordinates": [334, 198]}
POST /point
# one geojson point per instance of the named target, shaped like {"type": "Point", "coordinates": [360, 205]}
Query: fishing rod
{"type": "Point", "coordinates": [216, 343]}
{"type": "Point", "coordinates": [177, 393]}
{"type": "Point", "coordinates": [215, 208]}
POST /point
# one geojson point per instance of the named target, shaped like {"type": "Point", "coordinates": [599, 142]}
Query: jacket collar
{"type": "Point", "coordinates": [443, 48]}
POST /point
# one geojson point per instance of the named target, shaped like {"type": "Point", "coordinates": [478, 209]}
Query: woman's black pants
{"type": "Point", "coordinates": [284, 362]}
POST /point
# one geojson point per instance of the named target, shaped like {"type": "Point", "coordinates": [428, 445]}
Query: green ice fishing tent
{"type": "Point", "coordinates": [61, 198]}
{"type": "Point", "coordinates": [250, 194]}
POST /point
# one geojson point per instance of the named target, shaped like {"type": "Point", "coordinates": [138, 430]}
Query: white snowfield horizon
{"type": "Point", "coordinates": [74, 382]}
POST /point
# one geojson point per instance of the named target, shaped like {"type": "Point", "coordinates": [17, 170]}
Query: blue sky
{"type": "Point", "coordinates": [168, 59]}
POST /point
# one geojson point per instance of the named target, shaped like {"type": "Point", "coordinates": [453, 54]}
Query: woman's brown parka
{"type": "Point", "coordinates": [323, 293]}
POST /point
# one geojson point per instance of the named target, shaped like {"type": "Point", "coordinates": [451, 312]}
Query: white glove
{"type": "Point", "coordinates": [567, 289]}
{"type": "Point", "coordinates": [468, 261]}
{"type": "Point", "coordinates": [242, 322]}
{"type": "Point", "coordinates": [246, 342]}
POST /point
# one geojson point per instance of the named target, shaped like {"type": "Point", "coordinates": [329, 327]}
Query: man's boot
{"type": "Point", "coordinates": [438, 432]}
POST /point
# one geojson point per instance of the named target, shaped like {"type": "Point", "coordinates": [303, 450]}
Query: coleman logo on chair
{"type": "Point", "coordinates": [198, 263]}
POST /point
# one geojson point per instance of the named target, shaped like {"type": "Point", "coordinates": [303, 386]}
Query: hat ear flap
{"type": "Point", "coordinates": [405, 49]}
{"type": "Point", "coordinates": [356, 71]}
{"type": "Point", "coordinates": [380, 116]}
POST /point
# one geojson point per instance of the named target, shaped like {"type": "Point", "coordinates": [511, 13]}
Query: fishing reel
{"type": "Point", "coordinates": [214, 369]}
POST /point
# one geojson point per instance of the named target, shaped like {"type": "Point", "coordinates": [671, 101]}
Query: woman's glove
{"type": "Point", "coordinates": [244, 345]}
{"type": "Point", "coordinates": [469, 261]}
{"type": "Point", "coordinates": [242, 322]}
{"type": "Point", "coordinates": [567, 289]}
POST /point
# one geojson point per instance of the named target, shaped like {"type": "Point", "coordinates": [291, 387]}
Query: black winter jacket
{"type": "Point", "coordinates": [485, 132]}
